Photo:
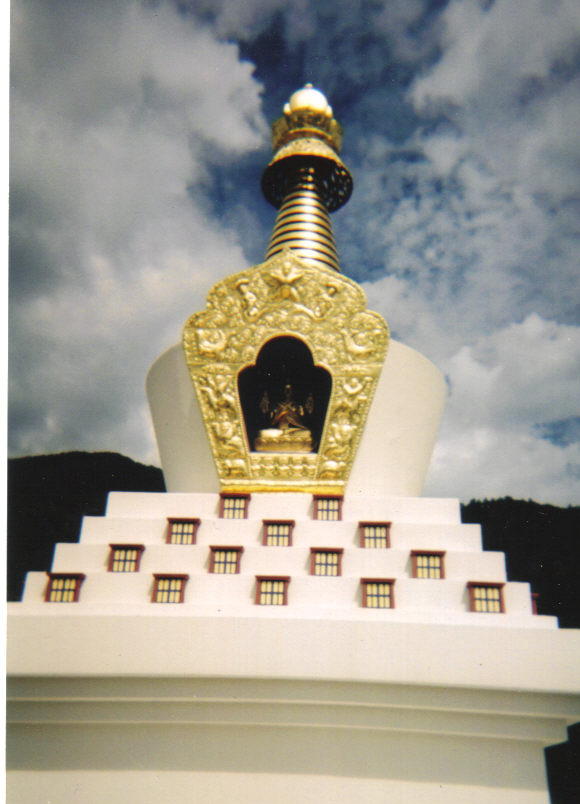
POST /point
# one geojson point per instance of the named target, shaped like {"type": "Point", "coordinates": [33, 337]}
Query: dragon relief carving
{"type": "Point", "coordinates": [285, 296]}
{"type": "Point", "coordinates": [225, 432]}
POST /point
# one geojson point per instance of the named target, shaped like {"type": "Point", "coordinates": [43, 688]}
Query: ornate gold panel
{"type": "Point", "coordinates": [285, 296]}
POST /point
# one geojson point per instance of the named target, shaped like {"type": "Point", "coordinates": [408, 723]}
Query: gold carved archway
{"type": "Point", "coordinates": [285, 296]}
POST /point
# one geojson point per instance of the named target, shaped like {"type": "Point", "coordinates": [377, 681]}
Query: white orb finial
{"type": "Point", "coordinates": [309, 98]}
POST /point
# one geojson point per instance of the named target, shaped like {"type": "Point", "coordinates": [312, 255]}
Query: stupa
{"type": "Point", "coordinates": [291, 621]}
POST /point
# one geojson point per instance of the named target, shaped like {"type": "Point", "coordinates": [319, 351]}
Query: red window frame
{"type": "Point", "coordinates": [440, 554]}
{"type": "Point", "coordinates": [284, 579]}
{"type": "Point", "coordinates": [167, 576]}
{"type": "Point", "coordinates": [266, 523]}
{"type": "Point", "coordinates": [228, 495]}
{"type": "Point", "coordinates": [114, 547]}
{"type": "Point", "coordinates": [473, 585]}
{"type": "Point", "coordinates": [77, 577]}
{"type": "Point", "coordinates": [319, 498]}
{"type": "Point", "coordinates": [314, 551]}
{"type": "Point", "coordinates": [179, 521]}
{"type": "Point", "coordinates": [366, 581]}
{"type": "Point", "coordinates": [361, 530]}
{"type": "Point", "coordinates": [227, 549]}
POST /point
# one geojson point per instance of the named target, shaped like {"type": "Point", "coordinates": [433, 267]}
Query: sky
{"type": "Point", "coordinates": [139, 131]}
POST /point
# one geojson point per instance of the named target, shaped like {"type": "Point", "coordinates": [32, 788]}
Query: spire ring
{"type": "Point", "coordinates": [333, 181]}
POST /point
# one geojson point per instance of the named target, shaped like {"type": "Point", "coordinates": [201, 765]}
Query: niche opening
{"type": "Point", "coordinates": [285, 392]}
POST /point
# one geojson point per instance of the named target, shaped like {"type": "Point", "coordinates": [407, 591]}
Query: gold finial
{"type": "Point", "coordinates": [307, 115]}
{"type": "Point", "coordinates": [306, 178]}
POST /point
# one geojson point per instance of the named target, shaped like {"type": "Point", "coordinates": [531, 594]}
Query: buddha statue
{"type": "Point", "coordinates": [288, 432]}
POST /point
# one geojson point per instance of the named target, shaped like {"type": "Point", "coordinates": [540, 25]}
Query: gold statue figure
{"type": "Point", "coordinates": [288, 434]}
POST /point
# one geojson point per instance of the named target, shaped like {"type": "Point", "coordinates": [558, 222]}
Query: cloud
{"type": "Point", "coordinates": [118, 114]}
{"type": "Point", "coordinates": [509, 80]}
{"type": "Point", "coordinates": [522, 374]}
{"type": "Point", "coordinates": [506, 393]}
{"type": "Point", "coordinates": [478, 234]}
{"type": "Point", "coordinates": [492, 463]}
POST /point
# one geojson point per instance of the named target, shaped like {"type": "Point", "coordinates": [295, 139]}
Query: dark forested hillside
{"type": "Point", "coordinates": [48, 495]}
{"type": "Point", "coordinates": [542, 547]}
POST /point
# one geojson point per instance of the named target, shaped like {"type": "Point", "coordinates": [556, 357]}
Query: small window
{"type": "Point", "coordinates": [225, 560]}
{"type": "Point", "coordinates": [182, 531]}
{"type": "Point", "coordinates": [325, 561]}
{"type": "Point", "coordinates": [63, 588]}
{"type": "Point", "coordinates": [125, 557]}
{"type": "Point", "coordinates": [377, 593]}
{"type": "Point", "coordinates": [277, 533]}
{"type": "Point", "coordinates": [169, 588]}
{"type": "Point", "coordinates": [375, 534]}
{"type": "Point", "coordinates": [427, 565]}
{"type": "Point", "coordinates": [328, 508]}
{"type": "Point", "coordinates": [234, 506]}
{"type": "Point", "coordinates": [272, 591]}
{"type": "Point", "coordinates": [486, 597]}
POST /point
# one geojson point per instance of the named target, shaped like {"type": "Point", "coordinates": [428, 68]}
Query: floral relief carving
{"type": "Point", "coordinates": [285, 296]}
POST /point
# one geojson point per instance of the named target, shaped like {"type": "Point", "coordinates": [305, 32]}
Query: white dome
{"type": "Point", "coordinates": [309, 98]}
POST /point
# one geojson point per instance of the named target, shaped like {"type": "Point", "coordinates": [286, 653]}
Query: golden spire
{"type": "Point", "coordinates": [306, 178]}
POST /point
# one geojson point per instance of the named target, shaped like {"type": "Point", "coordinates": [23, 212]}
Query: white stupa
{"type": "Point", "coordinates": [291, 622]}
